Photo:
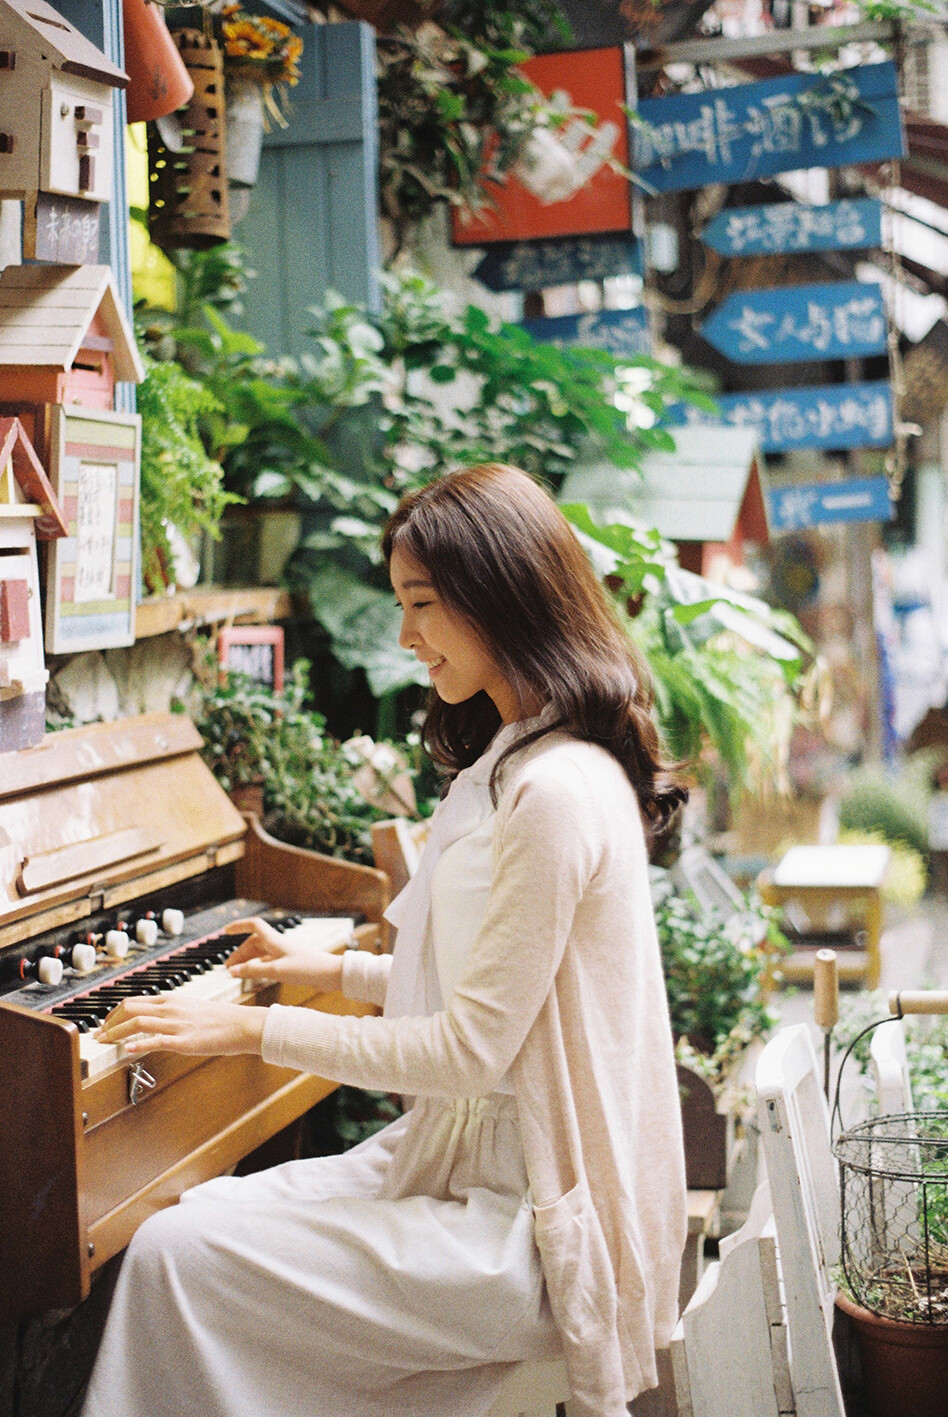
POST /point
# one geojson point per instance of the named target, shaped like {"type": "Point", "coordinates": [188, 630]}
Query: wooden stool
{"type": "Point", "coordinates": [825, 880]}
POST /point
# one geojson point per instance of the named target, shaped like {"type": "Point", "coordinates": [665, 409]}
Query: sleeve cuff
{"type": "Point", "coordinates": [297, 1038]}
{"type": "Point", "coordinates": [365, 976]}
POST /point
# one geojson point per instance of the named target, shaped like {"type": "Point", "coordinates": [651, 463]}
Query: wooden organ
{"type": "Point", "coordinates": [121, 859]}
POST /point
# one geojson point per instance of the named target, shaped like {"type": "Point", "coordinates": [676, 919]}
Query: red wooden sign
{"type": "Point", "coordinates": [254, 650]}
{"type": "Point", "coordinates": [565, 185]}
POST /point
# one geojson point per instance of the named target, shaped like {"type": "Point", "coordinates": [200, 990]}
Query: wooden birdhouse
{"type": "Point", "coordinates": [28, 509]}
{"type": "Point", "coordinates": [57, 135]}
{"type": "Point", "coordinates": [64, 338]}
{"type": "Point", "coordinates": [706, 496]}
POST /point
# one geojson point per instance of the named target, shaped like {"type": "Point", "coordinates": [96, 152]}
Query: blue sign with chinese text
{"type": "Point", "coordinates": [796, 226]}
{"type": "Point", "coordinates": [777, 125]}
{"type": "Point", "coordinates": [793, 323]}
{"type": "Point", "coordinates": [621, 332]}
{"type": "Point", "coordinates": [861, 499]}
{"type": "Point", "coordinates": [816, 416]}
{"type": "Point", "coordinates": [535, 265]}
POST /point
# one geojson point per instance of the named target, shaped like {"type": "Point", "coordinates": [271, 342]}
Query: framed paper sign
{"type": "Point", "coordinates": [254, 650]}
{"type": "Point", "coordinates": [92, 572]}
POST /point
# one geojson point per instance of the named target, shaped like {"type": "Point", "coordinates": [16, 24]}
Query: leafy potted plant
{"type": "Point", "coordinates": [182, 491]}
{"type": "Point", "coordinates": [717, 970]}
{"type": "Point", "coordinates": [261, 63]}
{"type": "Point", "coordinates": [272, 754]}
{"type": "Point", "coordinates": [893, 1280]}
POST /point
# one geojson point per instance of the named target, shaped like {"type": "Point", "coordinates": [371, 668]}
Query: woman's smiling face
{"type": "Point", "coordinates": [458, 662]}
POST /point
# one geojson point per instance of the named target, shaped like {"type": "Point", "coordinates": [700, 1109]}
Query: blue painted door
{"type": "Point", "coordinates": [313, 219]}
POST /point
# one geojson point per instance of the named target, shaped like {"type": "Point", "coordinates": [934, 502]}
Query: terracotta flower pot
{"type": "Point", "coordinates": [158, 81]}
{"type": "Point", "coordinates": [904, 1366]}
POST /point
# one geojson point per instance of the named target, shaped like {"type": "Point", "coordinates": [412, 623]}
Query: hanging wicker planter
{"type": "Point", "coordinates": [187, 160]}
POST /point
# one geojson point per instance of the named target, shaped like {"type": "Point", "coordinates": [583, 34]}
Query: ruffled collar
{"type": "Point", "coordinates": [506, 735]}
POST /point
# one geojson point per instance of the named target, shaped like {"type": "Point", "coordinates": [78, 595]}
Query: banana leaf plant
{"type": "Point", "coordinates": [728, 669]}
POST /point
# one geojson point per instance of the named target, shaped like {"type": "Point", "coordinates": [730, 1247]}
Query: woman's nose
{"type": "Point", "coordinates": [407, 636]}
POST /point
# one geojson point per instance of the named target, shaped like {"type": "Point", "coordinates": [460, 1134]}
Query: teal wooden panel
{"type": "Point", "coordinates": [313, 219]}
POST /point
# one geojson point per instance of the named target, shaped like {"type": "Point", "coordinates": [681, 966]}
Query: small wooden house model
{"type": "Point", "coordinates": [706, 496]}
{"type": "Point", "coordinates": [56, 129]}
{"type": "Point", "coordinates": [28, 509]}
{"type": "Point", "coordinates": [64, 338]}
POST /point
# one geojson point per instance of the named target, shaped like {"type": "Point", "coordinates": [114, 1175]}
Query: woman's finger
{"type": "Point", "coordinates": [262, 940]}
{"type": "Point", "coordinates": [131, 1016]}
{"type": "Point", "coordinates": [257, 968]}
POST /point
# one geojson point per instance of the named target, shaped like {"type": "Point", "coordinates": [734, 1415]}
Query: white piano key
{"type": "Point", "coordinates": [322, 932]}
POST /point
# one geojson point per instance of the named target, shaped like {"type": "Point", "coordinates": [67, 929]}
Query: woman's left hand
{"type": "Point", "coordinates": [155, 1023]}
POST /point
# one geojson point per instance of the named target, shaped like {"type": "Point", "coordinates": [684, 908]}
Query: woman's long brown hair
{"type": "Point", "coordinates": [503, 558]}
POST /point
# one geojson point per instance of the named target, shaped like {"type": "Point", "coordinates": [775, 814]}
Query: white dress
{"type": "Point", "coordinates": [396, 1280]}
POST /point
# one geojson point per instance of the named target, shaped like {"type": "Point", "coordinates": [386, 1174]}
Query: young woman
{"type": "Point", "coordinates": [532, 1200]}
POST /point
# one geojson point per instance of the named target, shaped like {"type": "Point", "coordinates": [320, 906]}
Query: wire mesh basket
{"type": "Point", "coordinates": [893, 1174]}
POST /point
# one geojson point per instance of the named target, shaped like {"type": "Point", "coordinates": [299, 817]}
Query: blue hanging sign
{"type": "Point", "coordinates": [535, 265]}
{"type": "Point", "coordinates": [795, 226]}
{"type": "Point", "coordinates": [817, 416]}
{"type": "Point", "coordinates": [861, 499]}
{"type": "Point", "coordinates": [622, 332]}
{"type": "Point", "coordinates": [777, 125]}
{"type": "Point", "coordinates": [793, 323]}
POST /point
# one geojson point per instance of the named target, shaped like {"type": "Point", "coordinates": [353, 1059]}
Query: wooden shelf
{"type": "Point", "coordinates": [208, 605]}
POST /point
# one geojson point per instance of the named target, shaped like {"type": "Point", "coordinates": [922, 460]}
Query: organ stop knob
{"type": "Point", "coordinates": [116, 943]}
{"type": "Point", "coordinates": [83, 958]}
{"type": "Point", "coordinates": [172, 921]}
{"type": "Point", "coordinates": [146, 931]}
{"type": "Point", "coordinates": [47, 969]}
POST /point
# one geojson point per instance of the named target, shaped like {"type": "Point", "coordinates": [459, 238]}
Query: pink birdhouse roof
{"type": "Point", "coordinates": [46, 311]}
{"type": "Point", "coordinates": [31, 479]}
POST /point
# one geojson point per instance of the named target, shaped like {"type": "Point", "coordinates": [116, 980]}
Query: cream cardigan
{"type": "Point", "coordinates": [563, 987]}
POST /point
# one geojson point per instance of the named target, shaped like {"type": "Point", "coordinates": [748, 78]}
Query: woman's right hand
{"type": "Point", "coordinates": [266, 957]}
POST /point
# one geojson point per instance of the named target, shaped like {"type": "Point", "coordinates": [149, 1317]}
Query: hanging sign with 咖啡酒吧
{"type": "Point", "coordinates": [793, 323]}
{"type": "Point", "coordinates": [837, 416]}
{"type": "Point", "coordinates": [747, 131]}
{"type": "Point", "coordinates": [783, 228]}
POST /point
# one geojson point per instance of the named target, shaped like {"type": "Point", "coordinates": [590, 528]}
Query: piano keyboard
{"type": "Point", "coordinates": [192, 971]}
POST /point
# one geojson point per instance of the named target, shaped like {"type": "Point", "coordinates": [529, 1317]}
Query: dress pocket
{"type": "Point", "coordinates": [576, 1265]}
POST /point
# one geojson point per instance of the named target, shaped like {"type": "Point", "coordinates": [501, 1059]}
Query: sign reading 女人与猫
{"type": "Point", "coordinates": [817, 416]}
{"type": "Point", "coordinates": [789, 324]}
{"type": "Point", "coordinates": [734, 134]}
{"type": "Point", "coordinates": [788, 227]}
{"type": "Point", "coordinates": [536, 265]}
{"type": "Point", "coordinates": [860, 499]}
{"type": "Point", "coordinates": [623, 333]}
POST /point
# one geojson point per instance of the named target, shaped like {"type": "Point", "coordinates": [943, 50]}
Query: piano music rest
{"type": "Point", "coordinates": [98, 826]}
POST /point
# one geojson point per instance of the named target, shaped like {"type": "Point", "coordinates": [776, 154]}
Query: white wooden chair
{"type": "Point", "coordinates": [794, 1124]}
{"type": "Point", "coordinates": [889, 1064]}
{"type": "Point", "coordinates": [729, 1351]}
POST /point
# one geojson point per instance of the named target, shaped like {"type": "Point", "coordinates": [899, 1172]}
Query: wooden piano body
{"type": "Point", "coordinates": [91, 820]}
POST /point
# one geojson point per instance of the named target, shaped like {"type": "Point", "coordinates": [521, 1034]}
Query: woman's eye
{"type": "Point", "coordinates": [420, 604]}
